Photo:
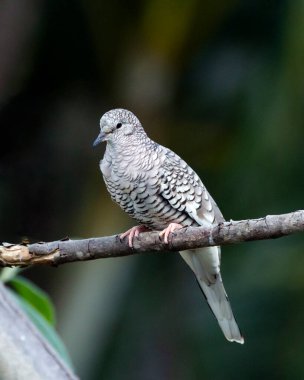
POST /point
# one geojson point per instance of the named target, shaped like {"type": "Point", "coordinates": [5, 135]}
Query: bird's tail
{"type": "Point", "coordinates": [205, 263]}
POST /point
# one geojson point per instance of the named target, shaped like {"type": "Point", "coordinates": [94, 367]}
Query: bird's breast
{"type": "Point", "coordinates": [136, 186]}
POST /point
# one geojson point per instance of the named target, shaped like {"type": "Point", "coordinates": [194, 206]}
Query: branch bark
{"type": "Point", "coordinates": [232, 232]}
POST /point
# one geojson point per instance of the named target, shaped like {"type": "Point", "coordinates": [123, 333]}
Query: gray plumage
{"type": "Point", "coordinates": [156, 187]}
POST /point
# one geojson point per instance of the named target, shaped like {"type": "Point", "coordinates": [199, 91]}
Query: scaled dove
{"type": "Point", "coordinates": [161, 192]}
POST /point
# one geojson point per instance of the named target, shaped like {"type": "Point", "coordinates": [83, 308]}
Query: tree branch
{"type": "Point", "coordinates": [232, 232]}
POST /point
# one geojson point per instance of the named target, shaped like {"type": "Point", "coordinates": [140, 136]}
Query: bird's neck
{"type": "Point", "coordinates": [132, 150]}
{"type": "Point", "coordinates": [129, 145]}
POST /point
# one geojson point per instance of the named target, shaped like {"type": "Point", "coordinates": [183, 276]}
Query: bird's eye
{"type": "Point", "coordinates": [118, 125]}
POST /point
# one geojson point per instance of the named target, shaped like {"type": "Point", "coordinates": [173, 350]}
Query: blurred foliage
{"type": "Point", "coordinates": [45, 328]}
{"type": "Point", "coordinates": [36, 297]}
{"type": "Point", "coordinates": [38, 306]}
{"type": "Point", "coordinates": [220, 83]}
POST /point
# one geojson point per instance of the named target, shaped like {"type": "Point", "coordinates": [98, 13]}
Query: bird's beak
{"type": "Point", "coordinates": [100, 138]}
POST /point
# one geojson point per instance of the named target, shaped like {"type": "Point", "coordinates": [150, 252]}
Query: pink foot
{"type": "Point", "coordinates": [132, 233]}
{"type": "Point", "coordinates": [167, 231]}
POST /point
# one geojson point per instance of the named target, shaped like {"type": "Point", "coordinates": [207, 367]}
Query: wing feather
{"type": "Point", "coordinates": [184, 190]}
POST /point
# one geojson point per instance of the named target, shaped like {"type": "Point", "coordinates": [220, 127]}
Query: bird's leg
{"type": "Point", "coordinates": [167, 231]}
{"type": "Point", "coordinates": [132, 233]}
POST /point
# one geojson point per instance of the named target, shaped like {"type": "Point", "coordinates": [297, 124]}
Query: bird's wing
{"type": "Point", "coordinates": [184, 190]}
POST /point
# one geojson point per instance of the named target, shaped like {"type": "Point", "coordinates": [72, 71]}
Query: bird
{"type": "Point", "coordinates": [162, 192]}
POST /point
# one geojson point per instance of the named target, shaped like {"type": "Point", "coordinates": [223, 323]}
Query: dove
{"type": "Point", "coordinates": [162, 192]}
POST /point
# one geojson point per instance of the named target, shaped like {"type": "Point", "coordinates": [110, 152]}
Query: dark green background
{"type": "Point", "coordinates": [222, 84]}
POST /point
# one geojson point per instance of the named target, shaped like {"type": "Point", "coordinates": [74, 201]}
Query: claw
{"type": "Point", "coordinates": [133, 233]}
{"type": "Point", "coordinates": [167, 231]}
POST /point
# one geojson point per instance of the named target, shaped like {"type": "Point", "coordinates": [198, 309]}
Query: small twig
{"type": "Point", "coordinates": [232, 232]}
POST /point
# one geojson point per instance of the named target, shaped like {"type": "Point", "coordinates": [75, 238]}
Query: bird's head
{"type": "Point", "coordinates": [116, 124]}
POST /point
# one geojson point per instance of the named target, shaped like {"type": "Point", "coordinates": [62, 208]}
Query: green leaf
{"type": "Point", "coordinates": [34, 296]}
{"type": "Point", "coordinates": [45, 328]}
{"type": "Point", "coordinates": [7, 274]}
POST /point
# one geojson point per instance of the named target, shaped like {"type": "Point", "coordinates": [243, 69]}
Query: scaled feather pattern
{"type": "Point", "coordinates": [156, 188]}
